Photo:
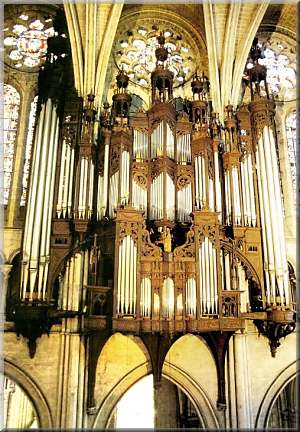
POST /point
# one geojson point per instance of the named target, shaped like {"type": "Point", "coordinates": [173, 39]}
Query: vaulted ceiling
{"type": "Point", "coordinates": [226, 32]}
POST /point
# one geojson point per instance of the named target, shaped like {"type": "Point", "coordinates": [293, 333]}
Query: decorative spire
{"type": "Point", "coordinates": [161, 78]}
{"type": "Point", "coordinates": [121, 98]}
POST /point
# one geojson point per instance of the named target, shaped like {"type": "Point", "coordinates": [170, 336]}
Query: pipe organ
{"type": "Point", "coordinates": [186, 213]}
{"type": "Point", "coordinates": [169, 172]}
{"type": "Point", "coordinates": [165, 222]}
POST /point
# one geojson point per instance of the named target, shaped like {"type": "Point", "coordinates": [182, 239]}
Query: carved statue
{"type": "Point", "coordinates": [166, 240]}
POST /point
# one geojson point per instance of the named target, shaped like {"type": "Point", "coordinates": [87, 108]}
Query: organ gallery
{"type": "Point", "coordinates": [153, 239]}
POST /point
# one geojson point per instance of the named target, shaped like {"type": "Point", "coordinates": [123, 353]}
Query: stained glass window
{"type": "Point", "coordinates": [11, 115]}
{"type": "Point", "coordinates": [281, 68]}
{"type": "Point", "coordinates": [26, 41]}
{"type": "Point", "coordinates": [28, 150]}
{"type": "Point", "coordinates": [135, 53]}
{"type": "Point", "coordinates": [290, 126]}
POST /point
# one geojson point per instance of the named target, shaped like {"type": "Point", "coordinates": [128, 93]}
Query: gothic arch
{"type": "Point", "coordinates": [289, 373]}
{"type": "Point", "coordinates": [105, 411]}
{"type": "Point", "coordinates": [13, 255]}
{"type": "Point", "coordinates": [195, 392]}
{"type": "Point", "coordinates": [176, 375]}
{"type": "Point", "coordinates": [33, 391]}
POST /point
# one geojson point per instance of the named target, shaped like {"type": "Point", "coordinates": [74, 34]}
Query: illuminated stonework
{"type": "Point", "coordinates": [26, 41]}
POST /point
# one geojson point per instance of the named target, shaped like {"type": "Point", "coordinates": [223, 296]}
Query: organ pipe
{"type": "Point", "coordinates": [127, 277]}
{"type": "Point", "coordinates": [36, 245]}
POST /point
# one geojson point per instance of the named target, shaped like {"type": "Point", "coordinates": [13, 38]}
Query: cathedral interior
{"type": "Point", "coordinates": [148, 258]}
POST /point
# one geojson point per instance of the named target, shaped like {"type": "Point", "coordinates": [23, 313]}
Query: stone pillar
{"type": "Point", "coordinates": [242, 385]}
{"type": "Point", "coordinates": [286, 179]}
{"type": "Point", "coordinates": [165, 405]}
{"type": "Point", "coordinates": [4, 272]}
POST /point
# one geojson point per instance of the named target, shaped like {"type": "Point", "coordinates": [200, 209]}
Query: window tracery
{"type": "Point", "coordinates": [11, 116]}
{"type": "Point", "coordinates": [26, 40]}
{"type": "Point", "coordinates": [28, 150]}
{"type": "Point", "coordinates": [135, 53]}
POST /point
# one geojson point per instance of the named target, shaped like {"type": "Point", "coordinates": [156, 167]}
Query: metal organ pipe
{"type": "Point", "coordinates": [157, 138]}
{"type": "Point", "coordinates": [275, 218]}
{"type": "Point", "coordinates": [32, 189]}
{"type": "Point", "coordinates": [113, 193]}
{"type": "Point", "coordinates": [36, 248]}
{"type": "Point", "coordinates": [120, 272]}
{"type": "Point", "coordinates": [134, 277]}
{"type": "Point", "coordinates": [265, 206]}
{"type": "Point", "coordinates": [190, 296]}
{"type": "Point", "coordinates": [123, 275]}
{"type": "Point", "coordinates": [50, 207]}
{"type": "Point", "coordinates": [146, 297]}
{"type": "Point", "coordinates": [169, 198]}
{"type": "Point", "coordinates": [127, 277]}
{"type": "Point", "coordinates": [40, 194]}
{"type": "Point", "coordinates": [170, 142]}
{"type": "Point", "coordinates": [168, 298]}
{"type": "Point", "coordinates": [243, 287]}
{"type": "Point", "coordinates": [105, 179]}
{"type": "Point", "coordinates": [185, 203]}
{"type": "Point", "coordinates": [252, 195]}
{"type": "Point", "coordinates": [211, 194]}
{"type": "Point", "coordinates": [203, 181]}
{"type": "Point", "coordinates": [204, 277]}
{"type": "Point", "coordinates": [100, 197]}
{"type": "Point", "coordinates": [66, 181]}
{"type": "Point", "coordinates": [228, 197]}
{"type": "Point", "coordinates": [161, 196]}
{"type": "Point", "coordinates": [245, 193]}
{"type": "Point", "coordinates": [217, 185]}
{"type": "Point", "coordinates": [131, 277]}
{"type": "Point", "coordinates": [45, 232]}
{"type": "Point", "coordinates": [139, 197]}
{"type": "Point", "coordinates": [91, 190]}
{"type": "Point", "coordinates": [264, 231]}
{"type": "Point", "coordinates": [207, 275]}
{"type": "Point", "coordinates": [70, 183]}
{"type": "Point", "coordinates": [127, 274]}
{"type": "Point", "coordinates": [285, 276]}
{"type": "Point", "coordinates": [61, 179]}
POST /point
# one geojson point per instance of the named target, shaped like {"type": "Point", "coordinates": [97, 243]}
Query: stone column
{"type": "Point", "coordinates": [165, 405]}
{"type": "Point", "coordinates": [242, 385]}
{"type": "Point", "coordinates": [5, 271]}
{"type": "Point", "coordinates": [286, 178]}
